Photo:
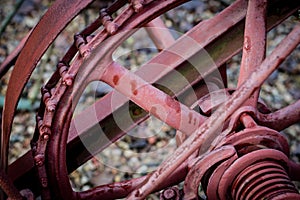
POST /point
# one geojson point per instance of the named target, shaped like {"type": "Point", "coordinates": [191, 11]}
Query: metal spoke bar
{"type": "Point", "coordinates": [287, 116]}
{"type": "Point", "coordinates": [254, 48]}
{"type": "Point", "coordinates": [152, 100]}
{"type": "Point", "coordinates": [160, 34]}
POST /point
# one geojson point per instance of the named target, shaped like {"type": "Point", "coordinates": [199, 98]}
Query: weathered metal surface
{"type": "Point", "coordinates": [257, 136]}
{"type": "Point", "coordinates": [227, 179]}
{"type": "Point", "coordinates": [152, 100]}
{"type": "Point", "coordinates": [160, 34]}
{"type": "Point", "coordinates": [287, 116]}
{"type": "Point", "coordinates": [275, 160]}
{"type": "Point", "coordinates": [171, 193]}
{"type": "Point", "coordinates": [199, 166]}
{"type": "Point", "coordinates": [37, 43]}
{"type": "Point", "coordinates": [254, 47]}
{"type": "Point", "coordinates": [75, 160]}
{"type": "Point", "coordinates": [64, 190]}
{"type": "Point", "coordinates": [8, 187]}
{"type": "Point", "coordinates": [201, 138]}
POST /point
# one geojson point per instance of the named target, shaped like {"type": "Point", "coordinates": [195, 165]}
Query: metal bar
{"type": "Point", "coordinates": [254, 48]}
{"type": "Point", "coordinates": [8, 187]}
{"type": "Point", "coordinates": [208, 131]}
{"type": "Point", "coordinates": [160, 34]}
{"type": "Point", "coordinates": [286, 116]}
{"type": "Point", "coordinates": [152, 100]}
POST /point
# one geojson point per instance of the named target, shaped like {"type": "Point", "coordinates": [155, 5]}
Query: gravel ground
{"type": "Point", "coordinates": [133, 156]}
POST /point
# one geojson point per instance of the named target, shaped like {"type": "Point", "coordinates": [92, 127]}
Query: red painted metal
{"type": "Point", "coordinates": [170, 194]}
{"type": "Point", "coordinates": [254, 48]}
{"type": "Point", "coordinates": [271, 158]}
{"type": "Point", "coordinates": [37, 43]}
{"type": "Point", "coordinates": [8, 187]}
{"type": "Point", "coordinates": [159, 59]}
{"type": "Point", "coordinates": [154, 101]}
{"type": "Point", "coordinates": [160, 34]}
{"type": "Point", "coordinates": [287, 116]}
{"type": "Point", "coordinates": [64, 190]}
{"type": "Point", "coordinates": [199, 166]}
{"type": "Point", "coordinates": [201, 138]}
{"type": "Point", "coordinates": [230, 151]}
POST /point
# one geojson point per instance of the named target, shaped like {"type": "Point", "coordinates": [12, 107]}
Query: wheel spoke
{"type": "Point", "coordinates": [254, 49]}
{"type": "Point", "coordinates": [160, 34]}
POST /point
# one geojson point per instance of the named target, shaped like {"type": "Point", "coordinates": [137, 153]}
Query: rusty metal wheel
{"type": "Point", "coordinates": [229, 145]}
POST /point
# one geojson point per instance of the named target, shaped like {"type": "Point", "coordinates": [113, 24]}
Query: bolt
{"type": "Point", "coordinates": [45, 130]}
{"type": "Point", "coordinates": [44, 182]}
{"type": "Point", "coordinates": [39, 160]}
{"type": "Point", "coordinates": [170, 194]}
{"type": "Point", "coordinates": [68, 81]}
{"type": "Point", "coordinates": [79, 40]}
{"type": "Point", "coordinates": [46, 137]}
{"type": "Point", "coordinates": [50, 106]}
{"type": "Point", "coordinates": [137, 5]}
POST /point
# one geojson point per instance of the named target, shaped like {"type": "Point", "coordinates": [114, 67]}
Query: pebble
{"type": "Point", "coordinates": [133, 162]}
{"type": "Point", "coordinates": [142, 169]}
{"type": "Point", "coordinates": [128, 153]}
{"type": "Point", "coordinates": [84, 180]}
{"type": "Point", "coordinates": [139, 144]}
{"type": "Point", "coordinates": [123, 145]}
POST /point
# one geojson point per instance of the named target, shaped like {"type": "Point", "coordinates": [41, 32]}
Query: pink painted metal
{"type": "Point", "coordinates": [152, 100]}
{"type": "Point", "coordinates": [37, 43]}
{"type": "Point", "coordinates": [201, 138]}
{"type": "Point", "coordinates": [199, 166]}
{"type": "Point", "coordinates": [160, 34]}
{"type": "Point", "coordinates": [8, 187]}
{"type": "Point", "coordinates": [257, 158]}
{"type": "Point", "coordinates": [229, 150]}
{"type": "Point", "coordinates": [254, 48]}
{"type": "Point", "coordinates": [172, 193]}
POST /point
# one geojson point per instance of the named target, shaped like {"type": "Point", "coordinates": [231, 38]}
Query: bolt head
{"type": "Point", "coordinates": [169, 194]}
{"type": "Point", "coordinates": [46, 137]}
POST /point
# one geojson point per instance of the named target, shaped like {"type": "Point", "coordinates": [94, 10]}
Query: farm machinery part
{"type": "Point", "coordinates": [228, 141]}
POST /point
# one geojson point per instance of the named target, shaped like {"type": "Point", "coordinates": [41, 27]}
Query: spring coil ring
{"type": "Point", "coordinates": [259, 170]}
{"type": "Point", "coordinates": [262, 180]}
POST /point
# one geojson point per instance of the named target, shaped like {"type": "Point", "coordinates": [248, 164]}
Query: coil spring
{"type": "Point", "coordinates": [265, 179]}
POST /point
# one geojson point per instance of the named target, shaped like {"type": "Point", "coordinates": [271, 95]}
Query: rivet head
{"type": "Point", "coordinates": [170, 194]}
{"type": "Point", "coordinates": [39, 160]}
{"type": "Point", "coordinates": [46, 137]}
{"type": "Point", "coordinates": [137, 5]}
{"type": "Point", "coordinates": [44, 182]}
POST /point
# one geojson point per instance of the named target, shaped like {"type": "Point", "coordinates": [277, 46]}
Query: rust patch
{"type": "Point", "coordinates": [172, 103]}
{"type": "Point", "coordinates": [133, 88]}
{"type": "Point", "coordinates": [190, 117]}
{"type": "Point", "coordinates": [116, 79]}
{"type": "Point", "coordinates": [153, 111]}
{"type": "Point", "coordinates": [247, 43]}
